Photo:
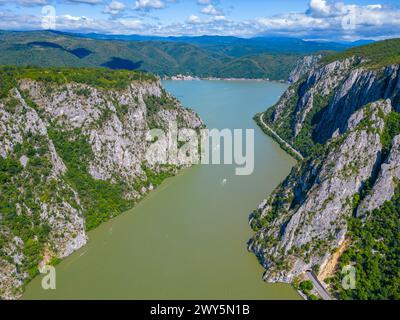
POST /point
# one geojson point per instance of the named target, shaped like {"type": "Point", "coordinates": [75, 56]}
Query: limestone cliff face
{"type": "Point", "coordinates": [53, 139]}
{"type": "Point", "coordinates": [336, 116]}
{"type": "Point", "coordinates": [327, 96]}
{"type": "Point", "coordinates": [388, 178]}
{"type": "Point", "coordinates": [303, 66]}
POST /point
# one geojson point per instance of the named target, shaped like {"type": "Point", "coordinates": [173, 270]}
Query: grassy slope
{"type": "Point", "coordinates": [378, 54]}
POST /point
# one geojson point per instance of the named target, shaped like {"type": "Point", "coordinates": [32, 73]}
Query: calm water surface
{"type": "Point", "coordinates": [187, 239]}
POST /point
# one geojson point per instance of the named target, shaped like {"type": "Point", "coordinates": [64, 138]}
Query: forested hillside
{"type": "Point", "coordinates": [224, 57]}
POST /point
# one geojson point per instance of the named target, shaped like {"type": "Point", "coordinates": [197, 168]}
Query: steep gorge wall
{"type": "Point", "coordinates": [336, 114]}
{"type": "Point", "coordinates": [72, 156]}
{"type": "Point", "coordinates": [319, 105]}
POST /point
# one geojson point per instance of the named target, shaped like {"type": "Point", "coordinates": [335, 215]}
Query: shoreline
{"type": "Point", "coordinates": [191, 78]}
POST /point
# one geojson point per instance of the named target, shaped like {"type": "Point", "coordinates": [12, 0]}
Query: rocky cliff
{"type": "Point", "coordinates": [72, 154]}
{"type": "Point", "coordinates": [303, 66]}
{"type": "Point", "coordinates": [339, 114]}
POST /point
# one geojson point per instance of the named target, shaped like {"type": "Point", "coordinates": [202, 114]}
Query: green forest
{"type": "Point", "coordinates": [374, 252]}
{"type": "Point", "coordinates": [55, 76]}
{"type": "Point", "coordinates": [161, 57]}
{"type": "Point", "coordinates": [24, 185]}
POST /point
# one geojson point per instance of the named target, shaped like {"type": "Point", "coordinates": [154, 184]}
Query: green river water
{"type": "Point", "coordinates": [187, 239]}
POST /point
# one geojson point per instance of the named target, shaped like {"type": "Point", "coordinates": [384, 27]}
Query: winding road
{"type": "Point", "coordinates": [280, 139]}
{"type": "Point", "coordinates": [318, 286]}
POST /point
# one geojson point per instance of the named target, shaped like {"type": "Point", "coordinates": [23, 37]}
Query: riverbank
{"type": "Point", "coordinates": [194, 78]}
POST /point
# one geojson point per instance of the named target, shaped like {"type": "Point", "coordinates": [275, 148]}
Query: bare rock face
{"type": "Point", "coordinates": [314, 202]}
{"type": "Point", "coordinates": [309, 94]}
{"type": "Point", "coordinates": [109, 125]}
{"type": "Point", "coordinates": [335, 114]}
{"type": "Point", "coordinates": [66, 223]}
{"type": "Point", "coordinates": [360, 87]}
{"type": "Point", "coordinates": [384, 187]}
{"type": "Point", "coordinates": [303, 66]}
{"type": "Point", "coordinates": [327, 96]}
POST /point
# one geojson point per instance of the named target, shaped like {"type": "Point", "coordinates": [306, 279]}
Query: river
{"type": "Point", "coordinates": [187, 239]}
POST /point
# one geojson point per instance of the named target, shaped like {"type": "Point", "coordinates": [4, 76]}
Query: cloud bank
{"type": "Point", "coordinates": [323, 19]}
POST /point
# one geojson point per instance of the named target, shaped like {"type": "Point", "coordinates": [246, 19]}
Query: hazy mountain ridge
{"type": "Point", "coordinates": [207, 56]}
{"type": "Point", "coordinates": [236, 46]}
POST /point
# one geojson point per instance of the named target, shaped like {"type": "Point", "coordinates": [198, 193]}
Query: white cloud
{"type": "Point", "coordinates": [327, 19]}
{"type": "Point", "coordinates": [219, 18]}
{"type": "Point", "coordinates": [27, 3]}
{"type": "Point", "coordinates": [11, 21]}
{"type": "Point", "coordinates": [114, 7]}
{"type": "Point", "coordinates": [131, 24]}
{"type": "Point", "coordinates": [91, 2]}
{"type": "Point", "coordinates": [374, 6]}
{"type": "Point", "coordinates": [193, 19]}
{"type": "Point", "coordinates": [211, 22]}
{"type": "Point", "coordinates": [292, 21]}
{"type": "Point", "coordinates": [322, 20]}
{"type": "Point", "coordinates": [149, 4]}
{"type": "Point", "coordinates": [320, 7]}
{"type": "Point", "coordinates": [210, 10]}
{"type": "Point", "coordinates": [86, 24]}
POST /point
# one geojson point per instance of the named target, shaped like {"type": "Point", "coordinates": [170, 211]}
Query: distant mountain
{"type": "Point", "coordinates": [360, 42]}
{"type": "Point", "coordinates": [238, 46]}
{"type": "Point", "coordinates": [205, 56]}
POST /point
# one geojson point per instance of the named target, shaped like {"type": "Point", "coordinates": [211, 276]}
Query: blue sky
{"type": "Point", "coordinates": [307, 19]}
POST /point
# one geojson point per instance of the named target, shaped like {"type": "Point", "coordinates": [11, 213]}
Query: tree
{"type": "Point", "coordinates": [306, 286]}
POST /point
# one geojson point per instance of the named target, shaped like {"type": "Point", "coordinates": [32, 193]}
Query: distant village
{"type": "Point", "coordinates": [181, 77]}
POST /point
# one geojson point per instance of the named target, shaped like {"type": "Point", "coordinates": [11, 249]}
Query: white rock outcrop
{"type": "Point", "coordinates": [113, 123]}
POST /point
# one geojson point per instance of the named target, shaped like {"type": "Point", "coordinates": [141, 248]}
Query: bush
{"type": "Point", "coordinates": [306, 286]}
